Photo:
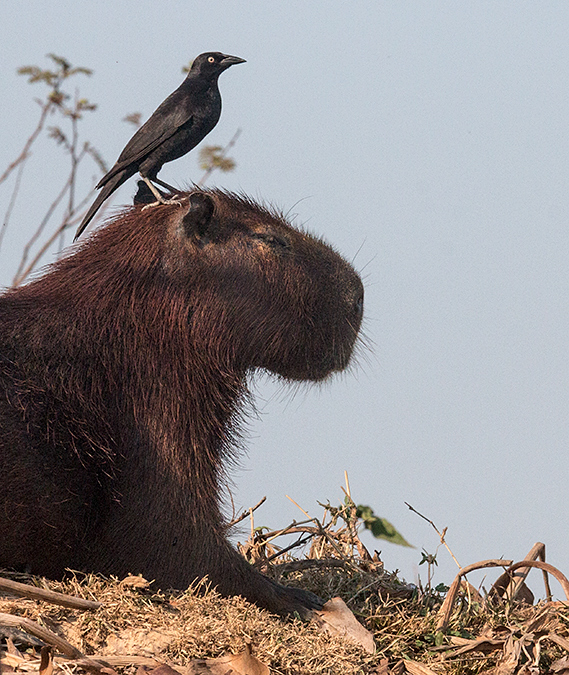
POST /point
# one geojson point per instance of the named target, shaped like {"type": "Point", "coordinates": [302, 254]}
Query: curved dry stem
{"type": "Point", "coordinates": [446, 608]}
{"type": "Point", "coordinates": [540, 564]}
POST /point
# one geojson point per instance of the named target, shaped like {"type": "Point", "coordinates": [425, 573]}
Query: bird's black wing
{"type": "Point", "coordinates": [171, 114]}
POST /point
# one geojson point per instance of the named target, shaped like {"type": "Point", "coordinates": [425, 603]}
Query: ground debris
{"type": "Point", "coordinates": [376, 624]}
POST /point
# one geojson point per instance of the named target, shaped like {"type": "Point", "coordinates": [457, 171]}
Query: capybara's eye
{"type": "Point", "coordinates": [274, 240]}
{"type": "Point", "coordinates": [278, 241]}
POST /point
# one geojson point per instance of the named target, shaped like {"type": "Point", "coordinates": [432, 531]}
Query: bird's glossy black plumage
{"type": "Point", "coordinates": [173, 129]}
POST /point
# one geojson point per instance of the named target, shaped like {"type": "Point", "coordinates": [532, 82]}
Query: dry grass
{"type": "Point", "coordinates": [178, 628]}
{"type": "Point", "coordinates": [482, 635]}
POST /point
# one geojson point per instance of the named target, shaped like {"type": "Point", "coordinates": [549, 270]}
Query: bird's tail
{"type": "Point", "coordinates": [105, 193]}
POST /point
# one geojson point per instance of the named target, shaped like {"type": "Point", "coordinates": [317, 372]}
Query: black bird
{"type": "Point", "coordinates": [173, 129]}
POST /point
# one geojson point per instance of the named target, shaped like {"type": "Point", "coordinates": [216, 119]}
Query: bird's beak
{"type": "Point", "coordinates": [231, 60]}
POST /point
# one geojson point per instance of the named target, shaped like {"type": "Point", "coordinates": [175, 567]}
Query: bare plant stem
{"type": "Point", "coordinates": [15, 191]}
{"type": "Point", "coordinates": [69, 219]}
{"type": "Point", "coordinates": [46, 108]}
{"type": "Point", "coordinates": [441, 534]}
{"type": "Point", "coordinates": [20, 274]}
{"type": "Point", "coordinates": [56, 233]}
{"type": "Point", "coordinates": [226, 149]}
{"type": "Point", "coordinates": [246, 513]}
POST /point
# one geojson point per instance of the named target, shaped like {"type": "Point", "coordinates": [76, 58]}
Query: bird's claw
{"type": "Point", "coordinates": [172, 200]}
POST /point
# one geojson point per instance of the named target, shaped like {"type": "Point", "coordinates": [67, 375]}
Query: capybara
{"type": "Point", "coordinates": [123, 375]}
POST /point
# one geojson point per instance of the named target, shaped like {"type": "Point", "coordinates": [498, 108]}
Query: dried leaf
{"type": "Point", "coordinates": [160, 670]}
{"type": "Point", "coordinates": [235, 664]}
{"type": "Point", "coordinates": [338, 619]}
{"type": "Point", "coordinates": [133, 118]}
{"type": "Point", "coordinates": [543, 621]}
{"type": "Point", "coordinates": [382, 668]}
{"type": "Point", "coordinates": [561, 666]}
{"type": "Point", "coordinates": [484, 645]}
{"type": "Point", "coordinates": [137, 581]}
{"type": "Point", "coordinates": [46, 663]}
{"type": "Point", "coordinates": [528, 669]}
{"type": "Point", "coordinates": [459, 641]}
{"type": "Point", "coordinates": [471, 592]}
{"type": "Point", "coordinates": [509, 660]}
{"type": "Point", "coordinates": [12, 649]}
{"type": "Point", "coordinates": [140, 641]}
{"type": "Point", "coordinates": [525, 595]}
{"type": "Point", "coordinates": [561, 641]}
{"type": "Point", "coordinates": [416, 668]}
{"type": "Point", "coordinates": [213, 157]}
{"type": "Point", "coordinates": [398, 668]}
{"type": "Point", "coordinates": [12, 660]}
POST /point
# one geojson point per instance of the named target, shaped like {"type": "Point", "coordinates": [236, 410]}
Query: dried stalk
{"type": "Point", "coordinates": [27, 591]}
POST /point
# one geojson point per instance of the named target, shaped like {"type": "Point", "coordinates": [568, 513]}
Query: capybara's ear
{"type": "Point", "coordinates": [197, 221]}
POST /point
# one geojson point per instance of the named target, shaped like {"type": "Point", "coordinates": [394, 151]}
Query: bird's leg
{"type": "Point", "coordinates": [159, 198]}
{"type": "Point", "coordinates": [164, 185]}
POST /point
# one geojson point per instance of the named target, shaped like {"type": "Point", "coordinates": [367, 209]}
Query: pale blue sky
{"type": "Point", "coordinates": [428, 142]}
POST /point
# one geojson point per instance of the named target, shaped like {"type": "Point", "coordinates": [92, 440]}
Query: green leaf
{"type": "Point", "coordinates": [379, 527]}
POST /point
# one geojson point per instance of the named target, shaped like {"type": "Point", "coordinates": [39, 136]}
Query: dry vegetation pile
{"type": "Point", "coordinates": [415, 630]}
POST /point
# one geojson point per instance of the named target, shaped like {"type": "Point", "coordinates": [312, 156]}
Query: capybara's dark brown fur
{"type": "Point", "coordinates": [123, 373]}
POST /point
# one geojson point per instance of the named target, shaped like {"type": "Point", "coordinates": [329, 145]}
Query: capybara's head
{"type": "Point", "coordinates": [262, 291]}
{"type": "Point", "coordinates": [256, 291]}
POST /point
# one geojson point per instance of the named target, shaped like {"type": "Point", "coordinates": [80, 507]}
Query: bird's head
{"type": "Point", "coordinates": [211, 64]}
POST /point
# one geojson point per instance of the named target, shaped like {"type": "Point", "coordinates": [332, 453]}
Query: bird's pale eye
{"type": "Point", "coordinates": [211, 59]}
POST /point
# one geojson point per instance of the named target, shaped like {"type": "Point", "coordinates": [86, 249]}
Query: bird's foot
{"type": "Point", "coordinates": [160, 198]}
{"type": "Point", "coordinates": [172, 200]}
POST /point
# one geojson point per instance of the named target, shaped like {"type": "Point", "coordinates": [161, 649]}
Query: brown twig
{"type": "Point", "coordinates": [125, 660]}
{"type": "Point", "coordinates": [286, 549]}
{"type": "Point", "coordinates": [27, 591]}
{"type": "Point", "coordinates": [293, 528]}
{"type": "Point", "coordinates": [300, 565]}
{"type": "Point", "coordinates": [54, 640]}
{"type": "Point", "coordinates": [42, 633]}
{"type": "Point", "coordinates": [353, 524]}
{"type": "Point", "coordinates": [299, 507]}
{"type": "Point", "coordinates": [75, 160]}
{"type": "Point", "coordinates": [245, 513]}
{"type": "Point", "coordinates": [22, 273]}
